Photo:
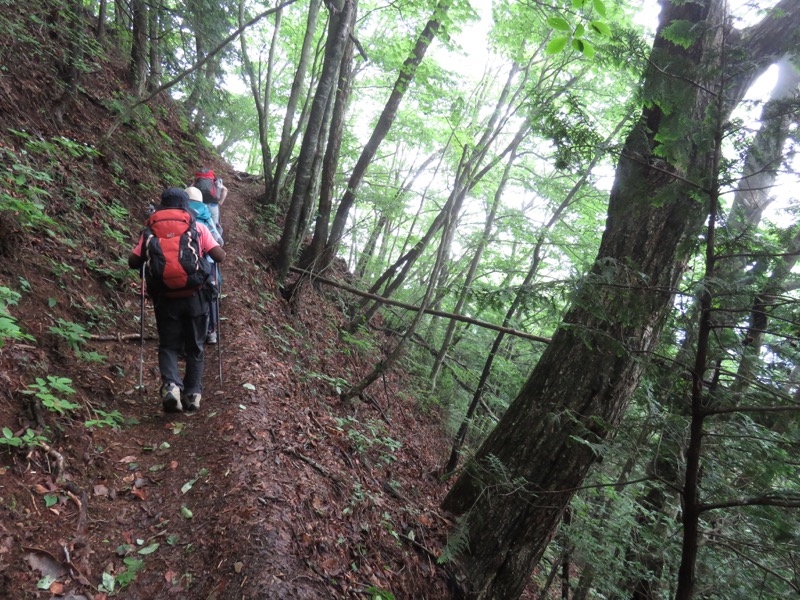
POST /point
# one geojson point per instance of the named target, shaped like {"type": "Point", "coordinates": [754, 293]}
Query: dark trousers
{"type": "Point", "coordinates": [182, 325]}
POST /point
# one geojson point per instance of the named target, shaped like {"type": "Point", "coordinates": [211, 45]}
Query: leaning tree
{"type": "Point", "coordinates": [511, 497]}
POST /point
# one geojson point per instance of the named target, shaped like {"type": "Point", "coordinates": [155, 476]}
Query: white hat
{"type": "Point", "coordinates": [194, 194]}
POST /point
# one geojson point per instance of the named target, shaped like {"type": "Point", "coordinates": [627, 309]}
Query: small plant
{"type": "Point", "coordinates": [75, 336]}
{"type": "Point", "coordinates": [114, 583]}
{"type": "Point", "coordinates": [102, 418]}
{"type": "Point", "coordinates": [8, 324]}
{"type": "Point", "coordinates": [337, 383]}
{"type": "Point", "coordinates": [22, 194]}
{"type": "Point", "coordinates": [49, 391]}
{"type": "Point", "coordinates": [379, 594]}
{"type": "Point", "coordinates": [29, 438]}
{"type": "Point", "coordinates": [370, 436]}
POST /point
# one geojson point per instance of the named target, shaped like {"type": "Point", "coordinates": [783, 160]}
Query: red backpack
{"type": "Point", "coordinates": [205, 182]}
{"type": "Point", "coordinates": [175, 267]}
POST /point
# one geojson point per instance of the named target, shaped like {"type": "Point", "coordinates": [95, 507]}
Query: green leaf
{"type": "Point", "coordinates": [601, 28]}
{"type": "Point", "coordinates": [45, 582]}
{"type": "Point", "coordinates": [583, 47]}
{"type": "Point", "coordinates": [248, 386]}
{"type": "Point", "coordinates": [186, 513]}
{"type": "Point", "coordinates": [51, 302]}
{"type": "Point", "coordinates": [556, 45]}
{"type": "Point", "coordinates": [108, 582]}
{"type": "Point", "coordinates": [123, 549]}
{"type": "Point", "coordinates": [50, 500]}
{"type": "Point", "coordinates": [579, 4]}
{"type": "Point", "coordinates": [580, 30]}
{"type": "Point", "coordinates": [558, 23]}
{"type": "Point", "coordinates": [681, 33]}
{"type": "Point", "coordinates": [149, 549]}
{"type": "Point", "coordinates": [599, 7]}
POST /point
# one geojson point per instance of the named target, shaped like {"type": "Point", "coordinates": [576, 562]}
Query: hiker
{"type": "Point", "coordinates": [214, 192]}
{"type": "Point", "coordinates": [203, 215]}
{"type": "Point", "coordinates": [177, 281]}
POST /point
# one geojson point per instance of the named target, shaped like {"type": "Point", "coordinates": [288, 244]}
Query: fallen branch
{"type": "Point", "coordinates": [59, 458]}
{"type": "Point", "coordinates": [430, 311]}
{"type": "Point", "coordinates": [118, 337]}
{"type": "Point", "coordinates": [318, 467]}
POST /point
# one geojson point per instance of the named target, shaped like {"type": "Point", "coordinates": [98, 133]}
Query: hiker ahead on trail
{"type": "Point", "coordinates": [214, 192]}
{"type": "Point", "coordinates": [172, 250]}
{"type": "Point", "coordinates": [203, 215]}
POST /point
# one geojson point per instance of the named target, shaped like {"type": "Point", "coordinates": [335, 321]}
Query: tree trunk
{"type": "Point", "coordinates": [473, 267]}
{"type": "Point", "coordinates": [139, 56]}
{"type": "Point", "coordinates": [154, 28]}
{"type": "Point", "coordinates": [274, 180]}
{"type": "Point", "coordinates": [331, 160]}
{"type": "Point", "coordinates": [261, 99]}
{"type": "Point", "coordinates": [384, 124]}
{"type": "Point", "coordinates": [333, 58]}
{"type": "Point", "coordinates": [514, 493]}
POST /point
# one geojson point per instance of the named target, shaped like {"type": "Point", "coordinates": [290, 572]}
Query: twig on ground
{"type": "Point", "coordinates": [311, 462]}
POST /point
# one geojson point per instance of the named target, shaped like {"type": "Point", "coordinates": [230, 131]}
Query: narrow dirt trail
{"type": "Point", "coordinates": [274, 489]}
{"type": "Point", "coordinates": [207, 485]}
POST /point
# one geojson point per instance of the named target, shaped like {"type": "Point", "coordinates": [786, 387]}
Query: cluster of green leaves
{"type": "Point", "coordinates": [52, 392]}
{"type": "Point", "coordinates": [370, 437]}
{"type": "Point", "coordinates": [575, 33]}
{"type": "Point", "coordinates": [24, 191]}
{"type": "Point", "coordinates": [75, 336]}
{"type": "Point", "coordinates": [9, 329]}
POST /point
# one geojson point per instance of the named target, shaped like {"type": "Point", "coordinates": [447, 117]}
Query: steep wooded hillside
{"type": "Point", "coordinates": [275, 489]}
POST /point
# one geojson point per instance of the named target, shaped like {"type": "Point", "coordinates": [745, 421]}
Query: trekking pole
{"type": "Point", "coordinates": [141, 336]}
{"type": "Point", "coordinates": [219, 333]}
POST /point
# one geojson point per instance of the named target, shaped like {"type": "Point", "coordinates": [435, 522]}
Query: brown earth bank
{"type": "Point", "coordinates": [275, 489]}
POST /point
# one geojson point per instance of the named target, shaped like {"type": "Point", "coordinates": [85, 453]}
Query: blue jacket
{"type": "Point", "coordinates": [203, 215]}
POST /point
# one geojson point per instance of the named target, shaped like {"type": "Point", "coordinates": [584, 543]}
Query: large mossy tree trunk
{"type": "Point", "coordinates": [514, 491]}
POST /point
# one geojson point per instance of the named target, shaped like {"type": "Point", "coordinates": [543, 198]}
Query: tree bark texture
{"type": "Point", "coordinates": [516, 488]}
{"type": "Point", "coordinates": [274, 181]}
{"type": "Point", "coordinates": [339, 35]}
{"type": "Point", "coordinates": [384, 124]}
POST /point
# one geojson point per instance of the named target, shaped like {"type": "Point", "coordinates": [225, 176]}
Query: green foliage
{"type": "Point", "coordinates": [112, 584]}
{"type": "Point", "coordinates": [573, 29]}
{"type": "Point", "coordinates": [379, 594]}
{"type": "Point", "coordinates": [28, 439]}
{"type": "Point", "coordinates": [370, 437]}
{"type": "Point", "coordinates": [457, 541]}
{"type": "Point", "coordinates": [102, 418]}
{"type": "Point", "coordinates": [51, 392]}
{"type": "Point", "coordinates": [75, 336]}
{"type": "Point", "coordinates": [8, 324]}
{"type": "Point", "coordinates": [682, 33]}
{"type": "Point", "coordinates": [23, 192]}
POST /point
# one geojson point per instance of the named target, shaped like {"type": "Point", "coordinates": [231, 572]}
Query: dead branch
{"type": "Point", "coordinates": [57, 456]}
{"type": "Point", "coordinates": [118, 337]}
{"type": "Point", "coordinates": [429, 311]}
{"type": "Point", "coordinates": [318, 467]}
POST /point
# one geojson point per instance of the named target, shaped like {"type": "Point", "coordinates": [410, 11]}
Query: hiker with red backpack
{"type": "Point", "coordinates": [172, 252]}
{"type": "Point", "coordinates": [214, 192]}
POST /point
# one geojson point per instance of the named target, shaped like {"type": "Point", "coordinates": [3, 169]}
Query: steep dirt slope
{"type": "Point", "coordinates": [275, 489]}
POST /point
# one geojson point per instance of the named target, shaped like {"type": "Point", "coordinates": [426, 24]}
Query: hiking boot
{"type": "Point", "coordinates": [211, 338]}
{"type": "Point", "coordinates": [193, 403]}
{"type": "Point", "coordinates": [171, 398]}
